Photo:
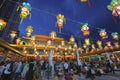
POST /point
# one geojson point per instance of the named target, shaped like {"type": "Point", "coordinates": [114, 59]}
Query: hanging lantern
{"type": "Point", "coordinates": [53, 34]}
{"type": "Point", "coordinates": [72, 39]}
{"type": "Point", "coordinates": [29, 31]}
{"type": "Point", "coordinates": [84, 46]}
{"type": "Point", "coordinates": [99, 43]}
{"type": "Point", "coordinates": [18, 40]}
{"type": "Point", "coordinates": [108, 44]}
{"type": "Point", "coordinates": [116, 44]}
{"type": "Point", "coordinates": [116, 10]}
{"type": "Point", "coordinates": [49, 43]}
{"type": "Point", "coordinates": [87, 41]}
{"type": "Point", "coordinates": [83, 0]}
{"type": "Point", "coordinates": [25, 10]}
{"type": "Point", "coordinates": [2, 24]}
{"type": "Point", "coordinates": [114, 6]}
{"type": "Point", "coordinates": [103, 34]}
{"type": "Point", "coordinates": [60, 20]}
{"type": "Point", "coordinates": [115, 35]}
{"type": "Point", "coordinates": [13, 34]}
{"type": "Point", "coordinates": [63, 43]}
{"type": "Point", "coordinates": [93, 46]}
{"type": "Point", "coordinates": [85, 29]}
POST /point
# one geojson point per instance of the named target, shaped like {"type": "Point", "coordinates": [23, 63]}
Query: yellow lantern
{"type": "Point", "coordinates": [49, 43]}
{"type": "Point", "coordinates": [53, 34]}
{"type": "Point", "coordinates": [63, 43]}
{"type": "Point", "coordinates": [87, 41]}
{"type": "Point", "coordinates": [108, 44]}
{"type": "Point", "coordinates": [85, 29]}
{"type": "Point", "coordinates": [60, 20]}
{"type": "Point", "coordinates": [18, 41]}
{"type": "Point", "coordinates": [83, 0]}
{"type": "Point", "coordinates": [99, 43]}
{"type": "Point", "coordinates": [29, 30]}
{"type": "Point", "coordinates": [93, 46]}
{"type": "Point", "coordinates": [72, 39]}
{"type": "Point", "coordinates": [2, 24]}
{"type": "Point", "coordinates": [103, 34]}
{"type": "Point", "coordinates": [115, 35]}
{"type": "Point", "coordinates": [25, 10]}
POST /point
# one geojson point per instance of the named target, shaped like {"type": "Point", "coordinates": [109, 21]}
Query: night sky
{"type": "Point", "coordinates": [44, 18]}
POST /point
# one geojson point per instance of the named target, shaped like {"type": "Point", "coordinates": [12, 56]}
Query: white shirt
{"type": "Point", "coordinates": [6, 69]}
{"type": "Point", "coordinates": [66, 65]}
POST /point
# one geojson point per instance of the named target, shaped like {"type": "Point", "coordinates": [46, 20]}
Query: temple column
{"type": "Point", "coordinates": [51, 65]}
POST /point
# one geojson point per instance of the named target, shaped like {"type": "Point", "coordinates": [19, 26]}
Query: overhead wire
{"type": "Point", "coordinates": [47, 12]}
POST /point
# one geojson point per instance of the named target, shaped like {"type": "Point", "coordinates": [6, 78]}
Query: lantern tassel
{"type": "Point", "coordinates": [59, 30]}
{"type": "Point", "coordinates": [88, 3]}
{"type": "Point", "coordinates": [30, 16]}
{"type": "Point", "coordinates": [21, 20]}
{"type": "Point", "coordinates": [115, 21]}
{"type": "Point", "coordinates": [18, 8]}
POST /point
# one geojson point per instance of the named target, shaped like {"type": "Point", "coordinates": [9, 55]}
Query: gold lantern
{"type": "Point", "coordinates": [62, 43]}
{"type": "Point", "coordinates": [25, 10]}
{"type": "Point", "coordinates": [99, 43]}
{"type": "Point", "coordinates": [87, 41]}
{"type": "Point", "coordinates": [60, 20]}
{"type": "Point", "coordinates": [29, 31]}
{"type": "Point", "coordinates": [115, 35]}
{"type": "Point", "coordinates": [2, 24]}
{"type": "Point", "coordinates": [53, 34]}
{"type": "Point", "coordinates": [72, 39]}
{"type": "Point", "coordinates": [103, 34]}
{"type": "Point", "coordinates": [49, 43]}
{"type": "Point", "coordinates": [83, 0]}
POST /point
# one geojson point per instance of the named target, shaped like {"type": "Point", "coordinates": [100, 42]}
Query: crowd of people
{"type": "Point", "coordinates": [40, 69]}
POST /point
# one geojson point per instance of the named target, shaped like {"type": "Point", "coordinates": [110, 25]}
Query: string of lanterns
{"type": "Point", "coordinates": [27, 5]}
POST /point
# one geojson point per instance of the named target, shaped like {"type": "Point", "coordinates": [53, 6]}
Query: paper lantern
{"type": "Point", "coordinates": [116, 10]}
{"type": "Point", "coordinates": [53, 34]}
{"type": "Point", "coordinates": [85, 29]}
{"type": "Point", "coordinates": [2, 24]}
{"type": "Point", "coordinates": [49, 43]}
{"type": "Point", "coordinates": [25, 10]}
{"type": "Point", "coordinates": [72, 39]}
{"type": "Point", "coordinates": [83, 0]}
{"type": "Point", "coordinates": [60, 21]}
{"type": "Point", "coordinates": [18, 40]}
{"type": "Point", "coordinates": [87, 41]}
{"type": "Point", "coordinates": [115, 36]}
{"type": "Point", "coordinates": [99, 43]}
{"type": "Point", "coordinates": [93, 46]}
{"type": "Point", "coordinates": [103, 34]}
{"type": "Point", "coordinates": [108, 44]}
{"type": "Point", "coordinates": [114, 6]}
{"type": "Point", "coordinates": [63, 43]}
{"type": "Point", "coordinates": [13, 34]}
{"type": "Point", "coordinates": [29, 31]}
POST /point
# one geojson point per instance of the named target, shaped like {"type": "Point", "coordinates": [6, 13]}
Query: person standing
{"type": "Point", "coordinates": [18, 70]}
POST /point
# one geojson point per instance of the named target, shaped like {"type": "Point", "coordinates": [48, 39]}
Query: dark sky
{"type": "Point", "coordinates": [44, 18]}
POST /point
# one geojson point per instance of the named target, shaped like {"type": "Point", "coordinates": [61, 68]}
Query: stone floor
{"type": "Point", "coordinates": [109, 76]}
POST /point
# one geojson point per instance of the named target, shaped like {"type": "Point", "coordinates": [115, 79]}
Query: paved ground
{"type": "Point", "coordinates": [109, 76]}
